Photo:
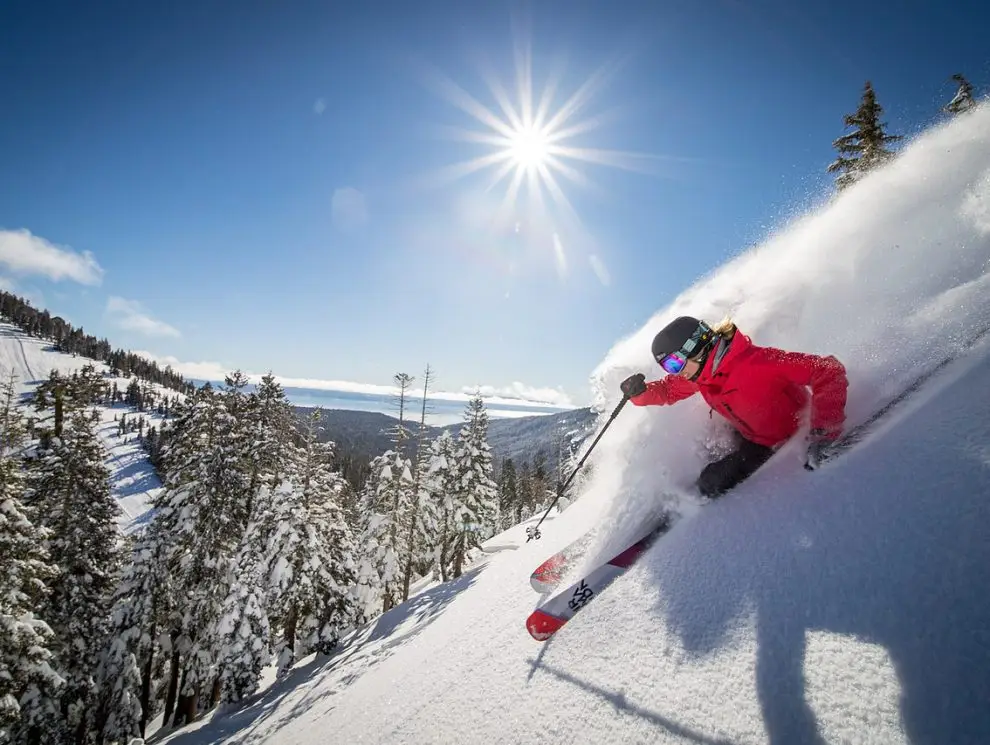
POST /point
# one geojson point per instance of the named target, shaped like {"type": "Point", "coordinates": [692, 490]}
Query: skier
{"type": "Point", "coordinates": [760, 390]}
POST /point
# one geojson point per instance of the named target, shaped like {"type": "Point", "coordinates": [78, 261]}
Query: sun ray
{"type": "Point", "coordinates": [566, 170]}
{"type": "Point", "coordinates": [504, 170]}
{"type": "Point", "coordinates": [582, 95]}
{"type": "Point", "coordinates": [456, 171]}
{"type": "Point", "coordinates": [502, 98]}
{"type": "Point", "coordinates": [469, 104]}
{"type": "Point", "coordinates": [524, 77]}
{"type": "Point", "coordinates": [461, 134]}
{"type": "Point", "coordinates": [556, 193]}
{"type": "Point", "coordinates": [625, 160]}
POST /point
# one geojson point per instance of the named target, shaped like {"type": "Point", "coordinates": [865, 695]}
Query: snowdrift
{"type": "Point", "coordinates": [847, 605]}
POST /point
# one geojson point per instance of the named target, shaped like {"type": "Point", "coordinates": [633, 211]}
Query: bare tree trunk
{"type": "Point", "coordinates": [185, 706]}
{"type": "Point", "coordinates": [289, 635]}
{"type": "Point", "coordinates": [173, 682]}
{"type": "Point", "coordinates": [146, 685]}
{"type": "Point", "coordinates": [59, 411]}
{"type": "Point", "coordinates": [417, 470]}
{"type": "Point", "coordinates": [215, 693]}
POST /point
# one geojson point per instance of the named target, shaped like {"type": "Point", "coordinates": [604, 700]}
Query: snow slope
{"type": "Point", "coordinates": [847, 605]}
{"type": "Point", "coordinates": [133, 480]}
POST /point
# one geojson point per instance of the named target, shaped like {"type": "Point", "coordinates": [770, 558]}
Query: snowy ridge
{"type": "Point", "coordinates": [846, 605]}
{"type": "Point", "coordinates": [133, 481]}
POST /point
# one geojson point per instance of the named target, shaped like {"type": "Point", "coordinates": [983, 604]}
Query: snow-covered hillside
{"type": "Point", "coordinates": [851, 604]}
{"type": "Point", "coordinates": [133, 480]}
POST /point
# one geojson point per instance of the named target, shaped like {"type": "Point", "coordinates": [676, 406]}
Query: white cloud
{"type": "Point", "coordinates": [348, 209]}
{"type": "Point", "coordinates": [521, 394]}
{"type": "Point", "coordinates": [191, 370]}
{"type": "Point", "coordinates": [128, 314]}
{"type": "Point", "coordinates": [319, 107]}
{"type": "Point", "coordinates": [24, 253]}
{"type": "Point", "coordinates": [517, 394]}
{"type": "Point", "coordinates": [600, 270]}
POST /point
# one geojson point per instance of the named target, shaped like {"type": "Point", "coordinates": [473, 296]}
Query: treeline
{"type": "Point", "coordinates": [66, 338]}
{"type": "Point", "coordinates": [258, 550]}
{"type": "Point", "coordinates": [867, 146]}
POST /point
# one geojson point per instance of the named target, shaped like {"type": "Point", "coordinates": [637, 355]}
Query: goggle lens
{"type": "Point", "coordinates": [673, 363]}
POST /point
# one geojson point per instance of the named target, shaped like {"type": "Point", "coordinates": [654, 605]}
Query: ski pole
{"type": "Point", "coordinates": [533, 531]}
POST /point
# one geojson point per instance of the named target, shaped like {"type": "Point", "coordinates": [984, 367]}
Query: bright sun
{"type": "Point", "coordinates": [530, 141]}
{"type": "Point", "coordinates": [529, 148]}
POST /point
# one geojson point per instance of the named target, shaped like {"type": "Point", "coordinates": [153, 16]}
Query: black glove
{"type": "Point", "coordinates": [633, 385]}
{"type": "Point", "coordinates": [818, 442]}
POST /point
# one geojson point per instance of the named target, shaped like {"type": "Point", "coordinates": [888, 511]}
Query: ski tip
{"type": "Point", "coordinates": [541, 586]}
{"type": "Point", "coordinates": [541, 626]}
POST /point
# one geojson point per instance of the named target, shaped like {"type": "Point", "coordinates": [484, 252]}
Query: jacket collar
{"type": "Point", "coordinates": [722, 357]}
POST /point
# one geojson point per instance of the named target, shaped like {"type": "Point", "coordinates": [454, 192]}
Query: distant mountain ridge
{"type": "Point", "coordinates": [366, 432]}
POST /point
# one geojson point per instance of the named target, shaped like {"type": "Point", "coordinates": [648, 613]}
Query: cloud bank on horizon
{"type": "Point", "coordinates": [516, 394]}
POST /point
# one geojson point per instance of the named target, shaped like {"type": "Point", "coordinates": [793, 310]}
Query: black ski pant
{"type": "Point", "coordinates": [718, 477]}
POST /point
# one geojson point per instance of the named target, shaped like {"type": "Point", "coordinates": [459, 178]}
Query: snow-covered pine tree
{"type": "Point", "coordinates": [202, 521]}
{"type": "Point", "coordinates": [69, 489]}
{"type": "Point", "coordinates": [865, 148]}
{"type": "Point", "coordinates": [509, 503]}
{"type": "Point", "coordinates": [963, 100]}
{"type": "Point", "coordinates": [438, 498]}
{"type": "Point", "coordinates": [140, 612]}
{"type": "Point", "coordinates": [27, 680]}
{"type": "Point", "coordinates": [243, 638]}
{"type": "Point", "coordinates": [309, 562]}
{"type": "Point", "coordinates": [476, 495]}
{"type": "Point", "coordinates": [272, 435]}
{"type": "Point", "coordinates": [262, 437]}
{"type": "Point", "coordinates": [386, 500]}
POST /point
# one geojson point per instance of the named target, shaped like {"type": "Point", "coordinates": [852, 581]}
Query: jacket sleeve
{"type": "Point", "coordinates": [826, 377]}
{"type": "Point", "coordinates": [668, 390]}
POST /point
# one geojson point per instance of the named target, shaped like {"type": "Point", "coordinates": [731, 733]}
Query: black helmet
{"type": "Point", "coordinates": [676, 334]}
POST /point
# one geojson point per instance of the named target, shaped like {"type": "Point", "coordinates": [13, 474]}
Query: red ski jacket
{"type": "Point", "coordinates": [762, 390]}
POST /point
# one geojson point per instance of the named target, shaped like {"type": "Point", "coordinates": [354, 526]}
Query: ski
{"type": "Point", "coordinates": [546, 620]}
{"type": "Point", "coordinates": [548, 574]}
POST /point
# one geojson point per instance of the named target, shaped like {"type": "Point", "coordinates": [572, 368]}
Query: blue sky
{"type": "Point", "coordinates": [261, 187]}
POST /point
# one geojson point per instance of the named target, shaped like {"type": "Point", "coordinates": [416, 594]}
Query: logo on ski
{"type": "Point", "coordinates": [581, 595]}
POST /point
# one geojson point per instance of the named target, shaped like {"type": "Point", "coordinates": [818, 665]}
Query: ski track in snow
{"type": "Point", "coordinates": [134, 483]}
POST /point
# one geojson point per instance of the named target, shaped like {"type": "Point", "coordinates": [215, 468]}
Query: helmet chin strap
{"type": "Point", "coordinates": [701, 358]}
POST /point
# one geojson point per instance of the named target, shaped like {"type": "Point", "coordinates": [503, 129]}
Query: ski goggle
{"type": "Point", "coordinates": [674, 362]}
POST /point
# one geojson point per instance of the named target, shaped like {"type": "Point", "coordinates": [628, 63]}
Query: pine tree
{"type": "Point", "coordinates": [140, 610]}
{"type": "Point", "coordinates": [271, 434]}
{"type": "Point", "coordinates": [509, 502]}
{"type": "Point", "coordinates": [963, 100]}
{"type": "Point", "coordinates": [439, 488]}
{"type": "Point", "coordinates": [476, 495]}
{"type": "Point", "coordinates": [310, 561]}
{"type": "Point", "coordinates": [202, 514]}
{"type": "Point", "coordinates": [865, 148]}
{"type": "Point", "coordinates": [400, 433]}
{"type": "Point", "coordinates": [242, 636]}
{"type": "Point", "coordinates": [27, 680]}
{"type": "Point", "coordinates": [385, 499]}
{"type": "Point", "coordinates": [70, 491]}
